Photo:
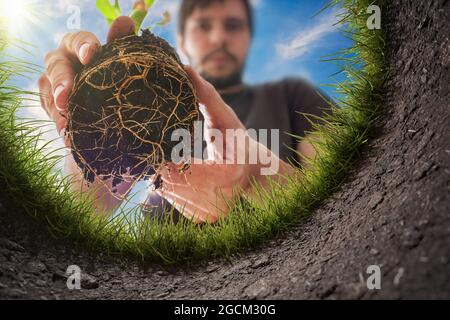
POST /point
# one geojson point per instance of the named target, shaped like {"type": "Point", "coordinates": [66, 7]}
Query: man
{"type": "Point", "coordinates": [215, 35]}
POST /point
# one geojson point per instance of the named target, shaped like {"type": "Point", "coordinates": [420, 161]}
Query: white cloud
{"type": "Point", "coordinates": [306, 39]}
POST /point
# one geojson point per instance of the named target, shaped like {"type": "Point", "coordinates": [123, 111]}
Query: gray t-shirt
{"type": "Point", "coordinates": [274, 105]}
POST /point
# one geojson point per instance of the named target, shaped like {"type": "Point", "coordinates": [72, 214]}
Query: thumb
{"type": "Point", "coordinates": [121, 27]}
{"type": "Point", "coordinates": [206, 92]}
{"type": "Point", "coordinates": [212, 106]}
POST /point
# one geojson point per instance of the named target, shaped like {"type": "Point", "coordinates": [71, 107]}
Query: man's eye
{"type": "Point", "coordinates": [204, 26]}
{"type": "Point", "coordinates": [233, 26]}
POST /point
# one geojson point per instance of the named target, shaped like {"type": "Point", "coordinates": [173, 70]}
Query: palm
{"type": "Point", "coordinates": [205, 191]}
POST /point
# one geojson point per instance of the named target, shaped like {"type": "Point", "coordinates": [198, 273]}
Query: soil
{"type": "Point", "coordinates": [393, 211]}
{"type": "Point", "coordinates": [125, 106]}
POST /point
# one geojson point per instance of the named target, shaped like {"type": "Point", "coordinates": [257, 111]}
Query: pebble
{"type": "Point", "coordinates": [375, 200]}
{"type": "Point", "coordinates": [88, 282]}
{"type": "Point", "coordinates": [398, 276]}
{"type": "Point", "coordinates": [36, 267]}
{"type": "Point", "coordinates": [11, 245]}
{"type": "Point", "coordinates": [258, 290]}
{"type": "Point", "coordinates": [261, 262]}
{"type": "Point", "coordinates": [16, 293]}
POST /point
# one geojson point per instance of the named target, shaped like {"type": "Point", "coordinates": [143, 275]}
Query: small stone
{"type": "Point", "coordinates": [36, 267]}
{"type": "Point", "coordinates": [11, 245]}
{"type": "Point", "coordinates": [423, 222]}
{"type": "Point", "coordinates": [5, 252]}
{"type": "Point", "coordinates": [161, 273]}
{"type": "Point", "coordinates": [308, 286]}
{"type": "Point", "coordinates": [408, 64]}
{"type": "Point", "coordinates": [261, 262]}
{"type": "Point", "coordinates": [328, 291]}
{"type": "Point", "coordinates": [17, 293]}
{"type": "Point", "coordinates": [40, 283]}
{"type": "Point", "coordinates": [88, 282]}
{"type": "Point", "coordinates": [375, 200]}
{"type": "Point", "coordinates": [374, 252]}
{"type": "Point", "coordinates": [258, 290]}
{"type": "Point", "coordinates": [411, 238]}
{"type": "Point", "coordinates": [398, 276]}
{"type": "Point", "coordinates": [421, 172]}
{"type": "Point", "coordinates": [163, 294]}
{"type": "Point", "coordinates": [211, 268]}
{"type": "Point", "coordinates": [423, 79]}
{"type": "Point", "coordinates": [59, 276]}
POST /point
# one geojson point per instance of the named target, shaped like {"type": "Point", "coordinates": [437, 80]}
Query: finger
{"type": "Point", "coordinates": [45, 94]}
{"type": "Point", "coordinates": [213, 108]}
{"type": "Point", "coordinates": [191, 192]}
{"type": "Point", "coordinates": [194, 176]}
{"type": "Point", "coordinates": [187, 210]}
{"type": "Point", "coordinates": [75, 49]}
{"type": "Point", "coordinates": [61, 74]}
{"type": "Point", "coordinates": [206, 92]}
{"type": "Point", "coordinates": [47, 103]}
{"type": "Point", "coordinates": [80, 46]}
{"type": "Point", "coordinates": [121, 27]}
{"type": "Point", "coordinates": [198, 211]}
{"type": "Point", "coordinates": [224, 175]}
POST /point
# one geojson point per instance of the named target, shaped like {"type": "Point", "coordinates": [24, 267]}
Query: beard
{"type": "Point", "coordinates": [225, 82]}
{"type": "Point", "coordinates": [222, 83]}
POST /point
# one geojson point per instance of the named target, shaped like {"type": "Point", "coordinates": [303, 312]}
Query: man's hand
{"type": "Point", "coordinates": [77, 49]}
{"type": "Point", "coordinates": [204, 192]}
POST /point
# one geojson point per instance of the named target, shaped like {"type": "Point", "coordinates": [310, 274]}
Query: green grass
{"type": "Point", "coordinates": [27, 171]}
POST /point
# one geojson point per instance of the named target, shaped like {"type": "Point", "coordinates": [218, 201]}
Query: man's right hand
{"type": "Point", "coordinates": [75, 50]}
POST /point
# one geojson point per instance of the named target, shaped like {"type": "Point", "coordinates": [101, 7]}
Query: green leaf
{"type": "Point", "coordinates": [138, 17]}
{"type": "Point", "coordinates": [165, 20]}
{"type": "Point", "coordinates": [149, 3]}
{"type": "Point", "coordinates": [109, 11]}
{"type": "Point", "coordinates": [117, 6]}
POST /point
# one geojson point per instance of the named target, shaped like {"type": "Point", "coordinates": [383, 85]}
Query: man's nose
{"type": "Point", "coordinates": [218, 36]}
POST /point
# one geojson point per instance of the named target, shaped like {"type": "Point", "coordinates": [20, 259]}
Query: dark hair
{"type": "Point", "coordinates": [188, 6]}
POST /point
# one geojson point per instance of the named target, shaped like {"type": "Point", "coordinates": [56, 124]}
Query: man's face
{"type": "Point", "coordinates": [217, 39]}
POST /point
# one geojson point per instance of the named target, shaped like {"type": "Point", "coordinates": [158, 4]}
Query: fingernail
{"type": "Point", "coordinates": [62, 133]}
{"type": "Point", "coordinates": [83, 52]}
{"type": "Point", "coordinates": [59, 89]}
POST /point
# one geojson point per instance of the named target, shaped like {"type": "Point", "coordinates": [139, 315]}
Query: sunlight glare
{"type": "Point", "coordinates": [14, 14]}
